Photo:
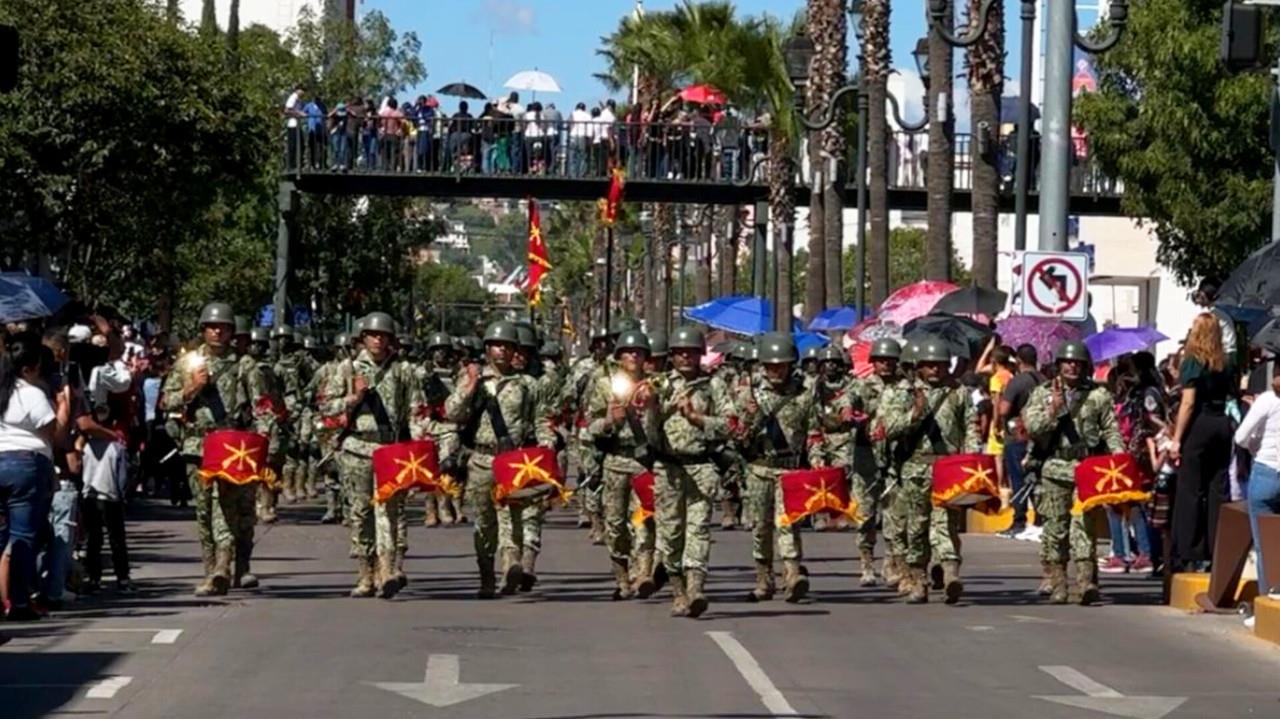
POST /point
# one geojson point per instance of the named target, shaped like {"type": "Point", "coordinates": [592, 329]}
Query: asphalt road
{"type": "Point", "coordinates": [299, 647]}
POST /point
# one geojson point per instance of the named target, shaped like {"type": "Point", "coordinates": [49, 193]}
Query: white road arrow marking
{"type": "Point", "coordinates": [1105, 700]}
{"type": "Point", "coordinates": [441, 687]}
{"type": "Point", "coordinates": [107, 688]}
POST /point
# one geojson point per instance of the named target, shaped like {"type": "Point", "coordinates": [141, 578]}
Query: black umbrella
{"type": "Point", "coordinates": [964, 337]}
{"type": "Point", "coordinates": [1268, 338]}
{"type": "Point", "coordinates": [1009, 110]}
{"type": "Point", "coordinates": [972, 300]}
{"type": "Point", "coordinates": [1255, 284]}
{"type": "Point", "coordinates": [462, 89]}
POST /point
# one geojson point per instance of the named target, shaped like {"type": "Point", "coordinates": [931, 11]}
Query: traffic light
{"type": "Point", "coordinates": [8, 58]}
{"type": "Point", "coordinates": [1242, 34]}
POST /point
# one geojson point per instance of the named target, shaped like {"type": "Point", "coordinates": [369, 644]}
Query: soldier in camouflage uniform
{"type": "Point", "coordinates": [375, 400]}
{"type": "Point", "coordinates": [731, 374]}
{"type": "Point", "coordinates": [325, 431]}
{"type": "Point", "coordinates": [206, 389]}
{"type": "Point", "coordinates": [809, 365]}
{"type": "Point", "coordinates": [307, 437]}
{"type": "Point", "coordinates": [496, 393]}
{"type": "Point", "coordinates": [932, 419]}
{"type": "Point", "coordinates": [293, 371]}
{"type": "Point", "coordinates": [583, 375]}
{"type": "Point", "coordinates": [658, 361]}
{"type": "Point", "coordinates": [833, 389]}
{"type": "Point", "coordinates": [260, 381]}
{"type": "Point", "coordinates": [694, 409]}
{"type": "Point", "coordinates": [871, 462]}
{"type": "Point", "coordinates": [1069, 419]}
{"type": "Point", "coordinates": [622, 423]}
{"type": "Point", "coordinates": [777, 417]}
{"type": "Point", "coordinates": [438, 381]}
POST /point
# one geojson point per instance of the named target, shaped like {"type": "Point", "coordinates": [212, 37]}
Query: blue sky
{"type": "Point", "coordinates": [486, 41]}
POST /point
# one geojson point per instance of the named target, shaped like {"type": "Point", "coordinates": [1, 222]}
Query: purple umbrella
{"type": "Point", "coordinates": [1043, 334]}
{"type": "Point", "coordinates": [1111, 343]}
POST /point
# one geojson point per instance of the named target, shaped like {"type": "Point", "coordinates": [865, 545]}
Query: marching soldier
{"type": "Point", "coordinates": [657, 363]}
{"type": "Point", "coordinates": [871, 463]}
{"type": "Point", "coordinates": [694, 409]}
{"type": "Point", "coordinates": [206, 389]}
{"type": "Point", "coordinates": [833, 390]}
{"type": "Point", "coordinates": [622, 420]}
{"type": "Point", "coordinates": [314, 349]}
{"type": "Point", "coordinates": [263, 388]}
{"type": "Point", "coordinates": [1069, 419]}
{"type": "Point", "coordinates": [497, 411]}
{"type": "Point", "coordinates": [325, 431]}
{"type": "Point", "coordinates": [293, 370]}
{"type": "Point", "coordinates": [582, 377]}
{"type": "Point", "coordinates": [932, 419]}
{"type": "Point", "coordinates": [373, 398]}
{"type": "Point", "coordinates": [776, 418]}
{"type": "Point", "coordinates": [438, 381]}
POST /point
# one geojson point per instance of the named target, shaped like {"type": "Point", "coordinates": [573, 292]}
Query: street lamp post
{"type": "Point", "coordinates": [1022, 162]}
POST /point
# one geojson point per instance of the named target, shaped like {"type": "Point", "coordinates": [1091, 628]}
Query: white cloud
{"type": "Point", "coordinates": [507, 17]}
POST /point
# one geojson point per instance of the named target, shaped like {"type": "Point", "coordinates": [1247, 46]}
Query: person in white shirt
{"type": "Point", "coordinates": [30, 425]}
{"type": "Point", "coordinates": [579, 139]}
{"type": "Point", "coordinates": [1260, 434]}
{"type": "Point", "coordinates": [293, 111]}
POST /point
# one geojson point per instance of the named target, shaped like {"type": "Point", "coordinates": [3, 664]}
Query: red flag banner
{"type": "Point", "coordinates": [405, 465]}
{"type": "Point", "coordinates": [539, 259]}
{"type": "Point", "coordinates": [609, 204]}
{"type": "Point", "coordinates": [1109, 479]}
{"type": "Point", "coordinates": [966, 481]}
{"type": "Point", "coordinates": [809, 491]}
{"type": "Point", "coordinates": [236, 457]}
{"type": "Point", "coordinates": [519, 468]}
{"type": "Point", "coordinates": [642, 485]}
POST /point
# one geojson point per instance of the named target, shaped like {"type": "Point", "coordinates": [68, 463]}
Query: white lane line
{"type": "Point", "coordinates": [751, 671]}
{"type": "Point", "coordinates": [981, 628]}
{"type": "Point", "coordinates": [107, 688]}
{"type": "Point", "coordinates": [1081, 683]}
{"type": "Point", "coordinates": [166, 636]}
{"type": "Point", "coordinates": [1033, 620]}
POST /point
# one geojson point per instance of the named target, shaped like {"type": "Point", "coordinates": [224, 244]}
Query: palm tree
{"type": "Point", "coordinates": [940, 174]}
{"type": "Point", "coordinates": [171, 12]}
{"type": "Point", "coordinates": [233, 35]}
{"type": "Point", "coordinates": [827, 27]}
{"type": "Point", "coordinates": [875, 67]}
{"type": "Point", "coordinates": [986, 85]}
{"type": "Point", "coordinates": [208, 18]}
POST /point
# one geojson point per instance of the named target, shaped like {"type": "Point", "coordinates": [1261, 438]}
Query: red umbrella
{"type": "Point", "coordinates": [703, 95]}
{"type": "Point", "coordinates": [912, 301]}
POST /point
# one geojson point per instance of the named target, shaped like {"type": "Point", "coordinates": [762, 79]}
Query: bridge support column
{"type": "Point", "coordinates": [284, 236]}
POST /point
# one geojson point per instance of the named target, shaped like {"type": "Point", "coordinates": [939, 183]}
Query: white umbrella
{"type": "Point", "coordinates": [533, 81]}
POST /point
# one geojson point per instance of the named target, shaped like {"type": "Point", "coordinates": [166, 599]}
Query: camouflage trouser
{"type": "Point", "coordinates": [374, 530]}
{"type": "Point", "coordinates": [618, 471]}
{"type": "Point", "coordinates": [295, 463]}
{"type": "Point", "coordinates": [520, 526]}
{"type": "Point", "coordinates": [644, 534]}
{"type": "Point", "coordinates": [448, 446]}
{"type": "Point", "coordinates": [589, 461]}
{"type": "Point", "coordinates": [224, 511]}
{"type": "Point", "coordinates": [683, 496]}
{"type": "Point", "coordinates": [866, 486]}
{"type": "Point", "coordinates": [912, 508]}
{"type": "Point", "coordinates": [944, 534]}
{"type": "Point", "coordinates": [479, 504]}
{"type": "Point", "coordinates": [765, 492]}
{"type": "Point", "coordinates": [1066, 535]}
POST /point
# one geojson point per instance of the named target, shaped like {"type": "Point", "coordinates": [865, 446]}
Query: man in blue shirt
{"type": "Point", "coordinates": [316, 140]}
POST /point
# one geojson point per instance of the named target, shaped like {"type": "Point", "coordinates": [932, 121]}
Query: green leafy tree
{"type": "Point", "coordinates": [1187, 137]}
{"type": "Point", "coordinates": [449, 299]}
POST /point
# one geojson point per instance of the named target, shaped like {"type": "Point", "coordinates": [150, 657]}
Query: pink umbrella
{"type": "Point", "coordinates": [1043, 334]}
{"type": "Point", "coordinates": [912, 301]}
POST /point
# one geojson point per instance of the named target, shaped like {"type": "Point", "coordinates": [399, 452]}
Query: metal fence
{"type": "Point", "coordinates": [696, 152]}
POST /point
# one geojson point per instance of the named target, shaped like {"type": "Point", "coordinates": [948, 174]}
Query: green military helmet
{"type": "Point", "coordinates": [1073, 350]}
{"type": "Point", "coordinates": [283, 332]}
{"type": "Point", "coordinates": [886, 348]}
{"type": "Point", "coordinates": [217, 313]}
{"type": "Point", "coordinates": [439, 340]}
{"type": "Point", "coordinates": [341, 340]}
{"type": "Point", "coordinates": [259, 334]}
{"type": "Point", "coordinates": [405, 340]}
{"type": "Point", "coordinates": [311, 342]}
{"type": "Point", "coordinates": [932, 350]}
{"type": "Point", "coordinates": [632, 340]}
{"type": "Point", "coordinates": [625, 324]}
{"type": "Point", "coordinates": [471, 344]}
{"type": "Point", "coordinates": [910, 352]}
{"type": "Point", "coordinates": [243, 325]}
{"type": "Point", "coordinates": [776, 347]}
{"type": "Point", "coordinates": [831, 353]}
{"type": "Point", "coordinates": [689, 338]}
{"type": "Point", "coordinates": [551, 349]}
{"type": "Point", "coordinates": [741, 351]}
{"type": "Point", "coordinates": [658, 344]}
{"type": "Point", "coordinates": [528, 339]}
{"type": "Point", "coordinates": [812, 353]}
{"type": "Point", "coordinates": [378, 322]}
{"type": "Point", "coordinates": [753, 352]}
{"type": "Point", "coordinates": [502, 331]}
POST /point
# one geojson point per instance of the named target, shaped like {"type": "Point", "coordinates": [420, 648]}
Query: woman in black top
{"type": "Point", "coordinates": [1202, 442]}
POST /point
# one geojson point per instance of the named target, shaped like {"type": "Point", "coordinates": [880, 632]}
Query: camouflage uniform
{"type": "Point", "coordinates": [516, 402]}
{"type": "Point", "coordinates": [871, 463]}
{"type": "Point", "coordinates": [583, 376]}
{"type": "Point", "coordinates": [375, 528]}
{"type": "Point", "coordinates": [1088, 412]}
{"type": "Point", "coordinates": [324, 432]}
{"type": "Point", "coordinates": [438, 383]}
{"type": "Point", "coordinates": [263, 389]}
{"type": "Point", "coordinates": [833, 390]}
{"type": "Point", "coordinates": [224, 511]}
{"type": "Point", "coordinates": [947, 425]}
{"type": "Point", "coordinates": [293, 370]}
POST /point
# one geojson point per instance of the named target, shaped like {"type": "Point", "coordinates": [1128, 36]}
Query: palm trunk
{"type": "Point", "coordinates": [782, 212]}
{"type": "Point", "coordinates": [598, 250]}
{"type": "Point", "coordinates": [940, 179]}
{"type": "Point", "coordinates": [208, 18]}
{"type": "Point", "coordinates": [986, 84]}
{"type": "Point", "coordinates": [833, 206]}
{"type": "Point", "coordinates": [876, 56]}
{"type": "Point", "coordinates": [659, 242]}
{"type": "Point", "coordinates": [829, 28]}
{"type": "Point", "coordinates": [233, 35]}
{"type": "Point", "coordinates": [702, 268]}
{"type": "Point", "coordinates": [815, 286]}
{"type": "Point", "coordinates": [729, 222]}
{"type": "Point", "coordinates": [171, 11]}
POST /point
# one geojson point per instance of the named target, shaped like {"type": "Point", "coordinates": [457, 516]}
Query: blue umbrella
{"type": "Point", "coordinates": [738, 313]}
{"type": "Point", "coordinates": [23, 297]}
{"type": "Point", "coordinates": [836, 318]}
{"type": "Point", "coordinates": [805, 340]}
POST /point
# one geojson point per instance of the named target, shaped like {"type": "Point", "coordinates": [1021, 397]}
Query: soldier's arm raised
{"type": "Point", "coordinates": [598, 422]}
{"type": "Point", "coordinates": [457, 407]}
{"type": "Point", "coordinates": [334, 394]}
{"type": "Point", "coordinates": [896, 416]}
{"type": "Point", "coordinates": [1037, 415]}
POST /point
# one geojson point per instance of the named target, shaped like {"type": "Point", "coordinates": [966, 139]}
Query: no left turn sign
{"type": "Point", "coordinates": [1055, 284]}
